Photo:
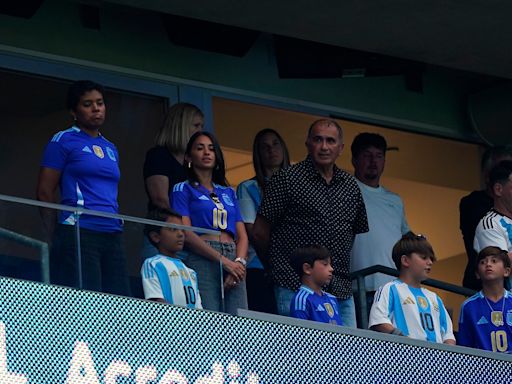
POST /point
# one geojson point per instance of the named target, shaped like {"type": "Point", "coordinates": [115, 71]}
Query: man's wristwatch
{"type": "Point", "coordinates": [241, 261]}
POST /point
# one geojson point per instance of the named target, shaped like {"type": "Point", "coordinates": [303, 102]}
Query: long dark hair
{"type": "Point", "coordinates": [219, 171]}
{"type": "Point", "coordinates": [256, 157]}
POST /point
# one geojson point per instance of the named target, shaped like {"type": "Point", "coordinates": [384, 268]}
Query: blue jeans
{"type": "Point", "coordinates": [103, 260]}
{"type": "Point", "coordinates": [210, 280]}
{"type": "Point", "coordinates": [347, 307]}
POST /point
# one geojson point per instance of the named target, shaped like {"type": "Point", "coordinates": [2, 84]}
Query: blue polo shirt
{"type": "Point", "coordinates": [196, 202]}
{"type": "Point", "coordinates": [89, 179]}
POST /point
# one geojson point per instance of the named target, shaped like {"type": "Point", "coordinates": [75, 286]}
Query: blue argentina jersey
{"type": "Point", "coordinates": [486, 325]}
{"type": "Point", "coordinates": [218, 212]}
{"type": "Point", "coordinates": [89, 176]}
{"type": "Point", "coordinates": [417, 312]}
{"type": "Point", "coordinates": [308, 305]}
{"type": "Point", "coordinates": [167, 278]}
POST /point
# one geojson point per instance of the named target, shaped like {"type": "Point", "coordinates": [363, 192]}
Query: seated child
{"type": "Point", "coordinates": [164, 277]}
{"type": "Point", "coordinates": [313, 265]}
{"type": "Point", "coordinates": [486, 317]}
{"type": "Point", "coordinates": [402, 307]}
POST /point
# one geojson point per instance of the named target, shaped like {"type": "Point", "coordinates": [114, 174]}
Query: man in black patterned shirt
{"type": "Point", "coordinates": [312, 202]}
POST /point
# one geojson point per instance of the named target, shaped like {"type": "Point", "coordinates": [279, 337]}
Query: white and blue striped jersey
{"type": "Point", "coordinates": [416, 312]}
{"type": "Point", "coordinates": [493, 230]}
{"type": "Point", "coordinates": [167, 278]}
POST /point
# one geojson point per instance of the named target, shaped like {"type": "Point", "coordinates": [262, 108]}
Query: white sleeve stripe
{"type": "Point", "coordinates": [300, 300]}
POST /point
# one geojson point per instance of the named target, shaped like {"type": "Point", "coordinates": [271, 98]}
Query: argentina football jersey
{"type": "Point", "coordinates": [167, 278]}
{"type": "Point", "coordinates": [90, 175]}
{"type": "Point", "coordinates": [308, 305]}
{"type": "Point", "coordinates": [416, 312]}
{"type": "Point", "coordinates": [485, 324]}
{"type": "Point", "coordinates": [217, 209]}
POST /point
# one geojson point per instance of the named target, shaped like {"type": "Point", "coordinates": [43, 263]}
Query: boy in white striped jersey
{"type": "Point", "coordinates": [164, 276]}
{"type": "Point", "coordinates": [403, 307]}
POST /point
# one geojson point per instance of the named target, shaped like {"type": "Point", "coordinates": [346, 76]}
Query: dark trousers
{"type": "Point", "coordinates": [103, 260]}
{"type": "Point", "coordinates": [260, 292]}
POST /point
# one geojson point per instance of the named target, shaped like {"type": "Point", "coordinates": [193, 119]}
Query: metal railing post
{"type": "Point", "coordinates": [78, 251]}
{"type": "Point", "coordinates": [361, 296]}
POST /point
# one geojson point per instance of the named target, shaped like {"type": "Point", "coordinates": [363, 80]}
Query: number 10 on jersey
{"type": "Point", "coordinates": [220, 218]}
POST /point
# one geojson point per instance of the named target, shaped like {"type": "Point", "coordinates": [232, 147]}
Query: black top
{"type": "Point", "coordinates": [304, 210]}
{"type": "Point", "coordinates": [472, 208]}
{"type": "Point", "coordinates": [160, 161]}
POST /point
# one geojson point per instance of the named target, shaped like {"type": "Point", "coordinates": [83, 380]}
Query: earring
{"type": "Point", "coordinates": [189, 165]}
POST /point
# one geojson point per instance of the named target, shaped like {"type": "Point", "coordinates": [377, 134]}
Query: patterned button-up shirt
{"type": "Point", "coordinates": [303, 209]}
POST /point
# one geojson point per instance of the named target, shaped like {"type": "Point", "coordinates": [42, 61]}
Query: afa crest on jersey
{"type": "Point", "coordinates": [111, 154]}
{"type": "Point", "coordinates": [184, 274]}
{"type": "Point", "coordinates": [98, 151]}
{"type": "Point", "coordinates": [497, 318]}
{"type": "Point", "coordinates": [422, 302]}
{"type": "Point", "coordinates": [227, 199]}
{"type": "Point", "coordinates": [509, 317]}
{"type": "Point", "coordinates": [329, 309]}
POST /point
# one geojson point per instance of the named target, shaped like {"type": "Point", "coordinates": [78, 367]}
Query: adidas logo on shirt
{"type": "Point", "coordinates": [408, 301]}
{"type": "Point", "coordinates": [86, 149]}
{"type": "Point", "coordinates": [320, 308]}
{"type": "Point", "coordinates": [203, 197]}
{"type": "Point", "coordinates": [482, 321]}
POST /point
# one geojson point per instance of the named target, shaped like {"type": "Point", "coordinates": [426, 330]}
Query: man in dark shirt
{"type": "Point", "coordinates": [474, 206]}
{"type": "Point", "coordinates": [312, 202]}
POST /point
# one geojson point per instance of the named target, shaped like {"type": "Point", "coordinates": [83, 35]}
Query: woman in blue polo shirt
{"type": "Point", "coordinates": [206, 201]}
{"type": "Point", "coordinates": [85, 167]}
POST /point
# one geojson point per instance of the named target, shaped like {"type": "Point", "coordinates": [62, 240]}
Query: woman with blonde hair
{"type": "Point", "coordinates": [163, 167]}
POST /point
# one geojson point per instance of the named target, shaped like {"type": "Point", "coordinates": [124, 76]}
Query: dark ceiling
{"type": "Point", "coordinates": [467, 35]}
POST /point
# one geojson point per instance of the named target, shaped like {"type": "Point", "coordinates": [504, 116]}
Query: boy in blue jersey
{"type": "Point", "coordinates": [313, 265]}
{"type": "Point", "coordinates": [164, 277]}
{"type": "Point", "coordinates": [403, 307]}
{"type": "Point", "coordinates": [486, 318]}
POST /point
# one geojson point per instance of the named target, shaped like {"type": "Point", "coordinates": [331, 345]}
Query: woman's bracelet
{"type": "Point", "coordinates": [242, 261]}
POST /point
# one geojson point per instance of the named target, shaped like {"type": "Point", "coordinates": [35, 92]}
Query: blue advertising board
{"type": "Point", "coordinates": [51, 334]}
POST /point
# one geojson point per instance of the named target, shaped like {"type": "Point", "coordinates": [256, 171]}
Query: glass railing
{"type": "Point", "coordinates": [33, 247]}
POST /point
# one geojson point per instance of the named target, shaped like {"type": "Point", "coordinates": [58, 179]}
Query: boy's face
{"type": "Point", "coordinates": [170, 240]}
{"type": "Point", "coordinates": [418, 265]}
{"type": "Point", "coordinates": [492, 268]}
{"type": "Point", "coordinates": [321, 273]}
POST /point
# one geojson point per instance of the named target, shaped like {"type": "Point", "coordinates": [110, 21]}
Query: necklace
{"type": "Point", "coordinates": [497, 316]}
